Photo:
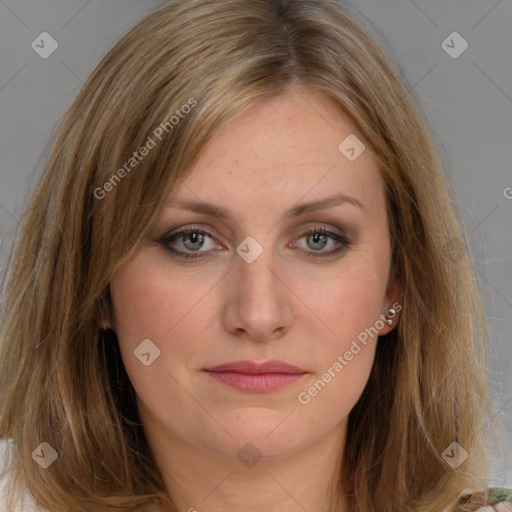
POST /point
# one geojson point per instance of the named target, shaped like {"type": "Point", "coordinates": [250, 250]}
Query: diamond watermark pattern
{"type": "Point", "coordinates": [249, 249]}
{"type": "Point", "coordinates": [44, 45]}
{"type": "Point", "coordinates": [249, 455]}
{"type": "Point", "coordinates": [454, 45]}
{"type": "Point", "coordinates": [147, 352]}
{"type": "Point", "coordinates": [351, 147]}
{"type": "Point", "coordinates": [45, 455]}
{"type": "Point", "coordinates": [454, 455]}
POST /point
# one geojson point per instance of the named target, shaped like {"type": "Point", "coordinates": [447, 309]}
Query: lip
{"type": "Point", "coordinates": [255, 367]}
{"type": "Point", "coordinates": [255, 376]}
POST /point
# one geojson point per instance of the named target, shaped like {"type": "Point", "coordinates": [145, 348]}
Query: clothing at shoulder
{"type": "Point", "coordinates": [7, 447]}
{"type": "Point", "coordinates": [500, 499]}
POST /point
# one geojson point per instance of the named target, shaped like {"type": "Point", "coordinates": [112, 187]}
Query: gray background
{"type": "Point", "coordinates": [467, 99]}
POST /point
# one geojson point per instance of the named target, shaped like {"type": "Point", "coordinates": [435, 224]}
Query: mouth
{"type": "Point", "coordinates": [256, 376]}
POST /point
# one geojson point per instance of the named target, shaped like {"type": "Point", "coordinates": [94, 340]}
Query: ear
{"type": "Point", "coordinates": [392, 301]}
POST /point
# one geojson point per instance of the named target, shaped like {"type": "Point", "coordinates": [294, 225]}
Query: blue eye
{"type": "Point", "coordinates": [320, 238]}
{"type": "Point", "coordinates": [190, 239]}
{"type": "Point", "coordinates": [194, 242]}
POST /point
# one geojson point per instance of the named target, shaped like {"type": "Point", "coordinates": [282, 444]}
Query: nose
{"type": "Point", "coordinates": [258, 303]}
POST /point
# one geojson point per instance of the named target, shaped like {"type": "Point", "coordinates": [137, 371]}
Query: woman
{"type": "Point", "coordinates": [239, 269]}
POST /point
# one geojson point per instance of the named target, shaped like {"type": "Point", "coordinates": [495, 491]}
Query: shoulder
{"type": "Point", "coordinates": [7, 448]}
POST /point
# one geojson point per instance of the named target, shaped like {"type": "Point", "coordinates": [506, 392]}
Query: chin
{"type": "Point", "coordinates": [267, 435]}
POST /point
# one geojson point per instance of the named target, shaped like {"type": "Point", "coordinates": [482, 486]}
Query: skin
{"type": "Point", "coordinates": [285, 305]}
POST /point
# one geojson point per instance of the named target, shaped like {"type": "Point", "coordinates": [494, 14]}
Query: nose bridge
{"type": "Point", "coordinates": [256, 280]}
{"type": "Point", "coordinates": [258, 303]}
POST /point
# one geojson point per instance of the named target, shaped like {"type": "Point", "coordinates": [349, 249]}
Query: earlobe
{"type": "Point", "coordinates": [393, 303]}
{"type": "Point", "coordinates": [390, 315]}
{"type": "Point", "coordinates": [389, 319]}
{"type": "Point", "coordinates": [394, 296]}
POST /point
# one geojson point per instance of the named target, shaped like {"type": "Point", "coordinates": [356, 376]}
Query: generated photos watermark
{"type": "Point", "coordinates": [151, 142]}
{"type": "Point", "coordinates": [304, 397]}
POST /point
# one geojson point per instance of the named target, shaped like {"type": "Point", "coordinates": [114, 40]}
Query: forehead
{"type": "Point", "coordinates": [281, 150]}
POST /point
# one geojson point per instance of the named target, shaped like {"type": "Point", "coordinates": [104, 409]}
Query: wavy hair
{"type": "Point", "coordinates": [62, 380]}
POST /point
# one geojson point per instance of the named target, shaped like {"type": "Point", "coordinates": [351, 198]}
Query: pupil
{"type": "Point", "coordinates": [316, 238]}
{"type": "Point", "coordinates": [195, 238]}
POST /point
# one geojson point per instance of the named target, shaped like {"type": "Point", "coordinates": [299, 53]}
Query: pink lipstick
{"type": "Point", "coordinates": [256, 376]}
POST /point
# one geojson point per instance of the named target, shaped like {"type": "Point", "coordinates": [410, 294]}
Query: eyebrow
{"type": "Point", "coordinates": [295, 211]}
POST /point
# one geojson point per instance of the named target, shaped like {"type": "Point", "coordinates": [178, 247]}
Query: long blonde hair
{"type": "Point", "coordinates": [62, 380]}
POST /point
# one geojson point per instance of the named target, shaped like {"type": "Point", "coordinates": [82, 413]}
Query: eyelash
{"type": "Point", "coordinates": [166, 240]}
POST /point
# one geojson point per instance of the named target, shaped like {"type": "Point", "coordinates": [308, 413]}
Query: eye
{"type": "Point", "coordinates": [195, 242]}
{"type": "Point", "coordinates": [318, 238]}
{"type": "Point", "coordinates": [191, 239]}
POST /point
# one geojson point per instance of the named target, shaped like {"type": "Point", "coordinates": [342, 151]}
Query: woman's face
{"type": "Point", "coordinates": [252, 285]}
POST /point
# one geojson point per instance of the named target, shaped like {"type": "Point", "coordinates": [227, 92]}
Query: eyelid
{"type": "Point", "coordinates": [187, 229]}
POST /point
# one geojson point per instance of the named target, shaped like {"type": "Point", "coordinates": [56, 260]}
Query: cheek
{"type": "Point", "coordinates": [151, 301]}
{"type": "Point", "coordinates": [348, 310]}
{"type": "Point", "coordinates": [347, 303]}
{"type": "Point", "coordinates": [345, 354]}
{"type": "Point", "coordinates": [148, 302]}
{"type": "Point", "coordinates": [145, 307]}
